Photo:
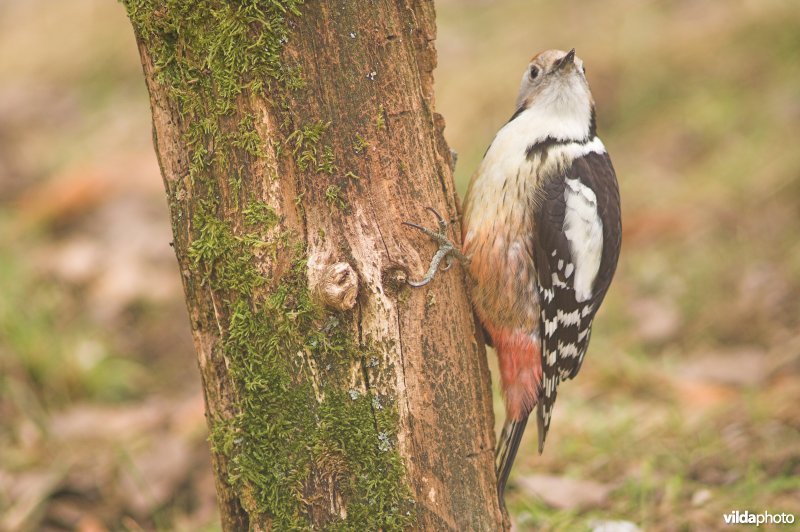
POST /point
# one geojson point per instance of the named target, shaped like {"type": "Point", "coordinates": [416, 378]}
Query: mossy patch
{"type": "Point", "coordinates": [304, 144]}
{"type": "Point", "coordinates": [260, 214]}
{"type": "Point", "coordinates": [360, 144]}
{"type": "Point", "coordinates": [333, 196]}
{"type": "Point", "coordinates": [380, 120]}
{"type": "Point", "coordinates": [216, 48]}
{"type": "Point", "coordinates": [300, 425]}
{"type": "Point", "coordinates": [220, 257]}
{"type": "Point", "coordinates": [247, 138]}
{"type": "Point", "coordinates": [208, 54]}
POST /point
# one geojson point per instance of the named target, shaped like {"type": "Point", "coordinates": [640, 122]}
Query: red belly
{"type": "Point", "coordinates": [520, 358]}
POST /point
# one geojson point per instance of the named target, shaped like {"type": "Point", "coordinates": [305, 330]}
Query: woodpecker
{"type": "Point", "coordinates": [541, 235]}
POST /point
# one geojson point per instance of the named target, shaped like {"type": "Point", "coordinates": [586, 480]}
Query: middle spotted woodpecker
{"type": "Point", "coordinates": [542, 234]}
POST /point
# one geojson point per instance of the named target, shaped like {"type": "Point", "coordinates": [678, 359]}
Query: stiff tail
{"type": "Point", "coordinates": [541, 424]}
{"type": "Point", "coordinates": [506, 452]}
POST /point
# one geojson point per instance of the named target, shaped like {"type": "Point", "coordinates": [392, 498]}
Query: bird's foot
{"type": "Point", "coordinates": [447, 250]}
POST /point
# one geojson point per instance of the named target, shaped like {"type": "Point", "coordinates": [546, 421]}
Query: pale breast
{"type": "Point", "coordinates": [498, 226]}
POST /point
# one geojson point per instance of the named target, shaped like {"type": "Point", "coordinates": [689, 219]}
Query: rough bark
{"type": "Point", "coordinates": [337, 397]}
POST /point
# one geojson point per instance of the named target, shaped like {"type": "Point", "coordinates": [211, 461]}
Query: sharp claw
{"type": "Point", "coordinates": [434, 236]}
{"type": "Point", "coordinates": [440, 220]}
{"type": "Point", "coordinates": [415, 226]}
{"type": "Point", "coordinates": [439, 217]}
{"type": "Point", "coordinates": [448, 263]}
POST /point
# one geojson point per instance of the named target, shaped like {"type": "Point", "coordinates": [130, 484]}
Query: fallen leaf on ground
{"type": "Point", "coordinates": [565, 493]}
{"type": "Point", "coordinates": [743, 366]}
{"type": "Point", "coordinates": [700, 497]}
{"type": "Point", "coordinates": [613, 526]}
{"type": "Point", "coordinates": [697, 396]}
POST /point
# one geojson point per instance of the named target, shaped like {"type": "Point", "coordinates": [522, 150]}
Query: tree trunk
{"type": "Point", "coordinates": [293, 139]}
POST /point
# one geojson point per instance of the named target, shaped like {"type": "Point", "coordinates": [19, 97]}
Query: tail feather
{"type": "Point", "coordinates": [541, 425]}
{"type": "Point", "coordinates": [506, 453]}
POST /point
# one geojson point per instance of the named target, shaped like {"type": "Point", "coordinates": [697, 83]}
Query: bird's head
{"type": "Point", "coordinates": [554, 85]}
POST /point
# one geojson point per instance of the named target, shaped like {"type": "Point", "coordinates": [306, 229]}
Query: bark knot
{"type": "Point", "coordinates": [338, 286]}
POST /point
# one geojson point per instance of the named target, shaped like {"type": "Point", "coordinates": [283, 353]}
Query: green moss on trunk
{"type": "Point", "coordinates": [299, 424]}
{"type": "Point", "coordinates": [299, 431]}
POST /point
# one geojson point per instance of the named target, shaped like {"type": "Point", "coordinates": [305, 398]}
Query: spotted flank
{"type": "Point", "coordinates": [576, 246]}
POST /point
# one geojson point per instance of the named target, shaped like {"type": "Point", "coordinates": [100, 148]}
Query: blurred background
{"type": "Point", "coordinates": [689, 404]}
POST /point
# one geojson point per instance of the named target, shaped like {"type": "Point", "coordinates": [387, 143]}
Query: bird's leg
{"type": "Point", "coordinates": [447, 250]}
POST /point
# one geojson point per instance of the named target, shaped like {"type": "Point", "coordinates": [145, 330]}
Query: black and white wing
{"type": "Point", "coordinates": [577, 243]}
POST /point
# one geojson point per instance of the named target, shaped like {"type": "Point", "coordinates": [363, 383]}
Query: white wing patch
{"type": "Point", "coordinates": [569, 318]}
{"type": "Point", "coordinates": [584, 231]}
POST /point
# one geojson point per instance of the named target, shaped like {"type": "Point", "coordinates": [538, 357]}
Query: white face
{"type": "Point", "coordinates": [555, 79]}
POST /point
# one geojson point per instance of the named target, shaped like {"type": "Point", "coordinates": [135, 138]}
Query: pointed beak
{"type": "Point", "coordinates": [568, 59]}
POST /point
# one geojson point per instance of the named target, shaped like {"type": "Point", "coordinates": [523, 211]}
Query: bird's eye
{"type": "Point", "coordinates": [584, 70]}
{"type": "Point", "coordinates": [534, 72]}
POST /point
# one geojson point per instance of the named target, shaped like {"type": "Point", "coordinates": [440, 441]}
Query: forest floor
{"type": "Point", "coordinates": [688, 404]}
